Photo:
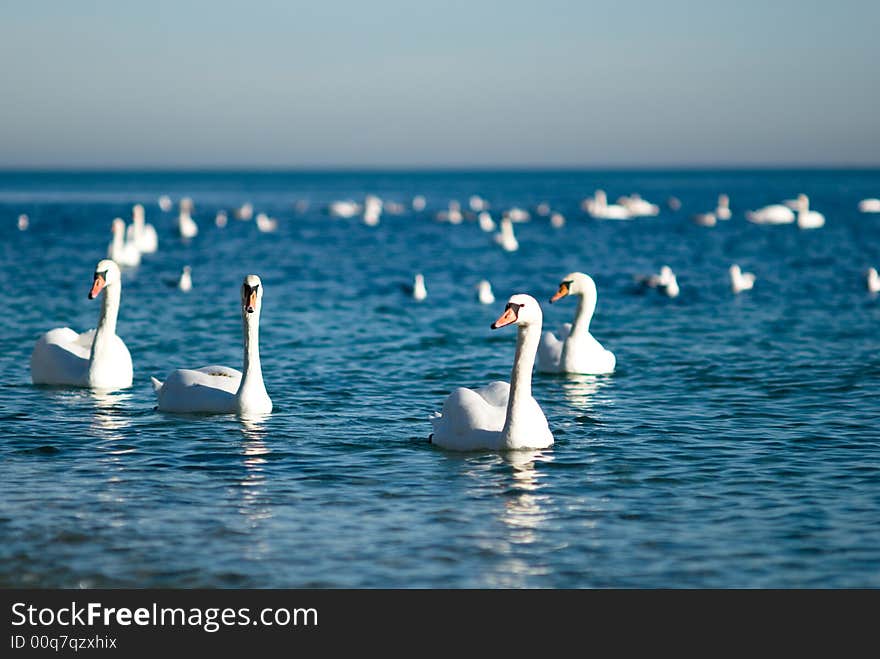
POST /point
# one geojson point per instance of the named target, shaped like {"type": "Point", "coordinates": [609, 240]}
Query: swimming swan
{"type": "Point", "coordinates": [739, 280]}
{"type": "Point", "coordinates": [97, 359]}
{"type": "Point", "coordinates": [220, 389]}
{"type": "Point", "coordinates": [575, 351]}
{"type": "Point", "coordinates": [500, 416]}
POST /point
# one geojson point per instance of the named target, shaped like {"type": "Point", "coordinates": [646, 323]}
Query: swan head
{"type": "Point", "coordinates": [575, 283]}
{"type": "Point", "coordinates": [521, 309]}
{"type": "Point", "coordinates": [118, 225]}
{"type": "Point", "coordinates": [137, 212]}
{"type": "Point", "coordinates": [251, 294]}
{"type": "Point", "coordinates": [735, 270]}
{"type": "Point", "coordinates": [106, 274]}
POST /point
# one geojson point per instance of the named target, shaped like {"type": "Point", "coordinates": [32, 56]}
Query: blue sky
{"type": "Point", "coordinates": [476, 82]}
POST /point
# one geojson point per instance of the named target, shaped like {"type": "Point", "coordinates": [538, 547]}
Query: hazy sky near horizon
{"type": "Point", "coordinates": [438, 82]}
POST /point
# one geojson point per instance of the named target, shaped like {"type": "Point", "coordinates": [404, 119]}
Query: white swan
{"type": "Point", "coordinates": [185, 282]}
{"type": "Point", "coordinates": [266, 224]}
{"type": "Point", "coordinates": [666, 282]}
{"type": "Point", "coordinates": [484, 292]}
{"type": "Point", "coordinates": [419, 292]}
{"type": "Point", "coordinates": [506, 238]}
{"type": "Point", "coordinates": [187, 226]}
{"type": "Point", "coordinates": [739, 280]}
{"type": "Point", "coordinates": [486, 222]}
{"type": "Point", "coordinates": [773, 214]}
{"type": "Point", "coordinates": [871, 205]}
{"type": "Point", "coordinates": [722, 211]}
{"type": "Point", "coordinates": [140, 233]}
{"type": "Point", "coordinates": [221, 218]}
{"type": "Point", "coordinates": [599, 208]}
{"type": "Point", "coordinates": [807, 219]}
{"type": "Point", "coordinates": [98, 358]}
{"type": "Point", "coordinates": [23, 222]}
{"type": "Point", "coordinates": [165, 203]}
{"type": "Point", "coordinates": [704, 219]}
{"type": "Point", "coordinates": [418, 203]}
{"type": "Point", "coordinates": [121, 249]}
{"type": "Point", "coordinates": [500, 416]}
{"type": "Point", "coordinates": [372, 210]}
{"type": "Point", "coordinates": [639, 207]}
{"type": "Point", "coordinates": [557, 220]}
{"type": "Point", "coordinates": [575, 351]}
{"type": "Point", "coordinates": [873, 280]}
{"type": "Point", "coordinates": [219, 389]}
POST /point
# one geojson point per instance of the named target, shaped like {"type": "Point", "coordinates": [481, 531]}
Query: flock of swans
{"type": "Point", "coordinates": [499, 416]}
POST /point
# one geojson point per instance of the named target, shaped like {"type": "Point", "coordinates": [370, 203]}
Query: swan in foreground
{"type": "Point", "coordinates": [873, 280]}
{"type": "Point", "coordinates": [773, 214]}
{"type": "Point", "coordinates": [807, 219]}
{"type": "Point", "coordinates": [869, 205]}
{"type": "Point", "coordinates": [220, 389]}
{"type": "Point", "coordinates": [140, 233]}
{"type": "Point", "coordinates": [722, 211]}
{"type": "Point", "coordinates": [98, 358]}
{"type": "Point", "coordinates": [575, 350]}
{"type": "Point", "coordinates": [121, 249]}
{"type": "Point", "coordinates": [484, 292]}
{"type": "Point", "coordinates": [739, 280]}
{"type": "Point", "coordinates": [500, 416]}
{"type": "Point", "coordinates": [185, 283]}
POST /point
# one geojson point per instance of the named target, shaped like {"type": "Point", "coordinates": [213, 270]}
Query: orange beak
{"type": "Point", "coordinates": [97, 286]}
{"type": "Point", "coordinates": [508, 317]}
{"type": "Point", "coordinates": [251, 305]}
{"type": "Point", "coordinates": [561, 293]}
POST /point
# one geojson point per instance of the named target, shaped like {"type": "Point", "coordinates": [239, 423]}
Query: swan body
{"type": "Point", "coordinates": [705, 219]}
{"type": "Point", "coordinates": [220, 219]}
{"type": "Point", "coordinates": [599, 208]}
{"type": "Point", "coordinates": [505, 237]}
{"type": "Point", "coordinates": [575, 350]}
{"type": "Point", "coordinates": [557, 220]}
{"type": "Point", "coordinates": [517, 214]}
{"type": "Point", "coordinates": [165, 203]}
{"type": "Point", "coordinates": [452, 214]}
{"type": "Point", "coordinates": [722, 210]}
{"type": "Point", "coordinates": [185, 282]}
{"type": "Point", "coordinates": [873, 280]}
{"type": "Point", "coordinates": [484, 292]}
{"type": "Point", "coordinates": [121, 249]}
{"type": "Point", "coordinates": [220, 389]}
{"type": "Point", "coordinates": [419, 292]}
{"type": "Point", "coordinates": [98, 358]}
{"type": "Point", "coordinates": [639, 207]}
{"type": "Point", "coordinates": [500, 416]}
{"type": "Point", "coordinates": [666, 282]}
{"type": "Point", "coordinates": [486, 222]}
{"type": "Point", "coordinates": [869, 205]}
{"type": "Point", "coordinates": [372, 210]}
{"type": "Point", "coordinates": [739, 280]}
{"type": "Point", "coordinates": [266, 224]}
{"type": "Point", "coordinates": [187, 226]}
{"type": "Point", "coordinates": [418, 203]}
{"type": "Point", "coordinates": [23, 222]}
{"type": "Point", "coordinates": [807, 219]}
{"type": "Point", "coordinates": [143, 235]}
{"type": "Point", "coordinates": [773, 214]}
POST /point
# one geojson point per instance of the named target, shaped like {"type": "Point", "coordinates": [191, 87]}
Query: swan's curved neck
{"type": "Point", "coordinates": [584, 314]}
{"type": "Point", "coordinates": [106, 329]}
{"type": "Point", "coordinates": [252, 373]}
{"type": "Point", "coordinates": [527, 340]}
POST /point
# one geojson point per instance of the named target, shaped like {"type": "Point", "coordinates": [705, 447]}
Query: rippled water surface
{"type": "Point", "coordinates": [737, 444]}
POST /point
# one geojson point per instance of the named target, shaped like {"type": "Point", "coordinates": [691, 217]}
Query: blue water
{"type": "Point", "coordinates": [736, 445]}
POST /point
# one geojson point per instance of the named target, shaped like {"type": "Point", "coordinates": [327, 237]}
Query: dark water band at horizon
{"type": "Point", "coordinates": [737, 443]}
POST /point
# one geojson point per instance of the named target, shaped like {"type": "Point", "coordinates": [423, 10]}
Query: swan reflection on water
{"type": "Point", "coordinates": [252, 486]}
{"type": "Point", "coordinates": [580, 390]}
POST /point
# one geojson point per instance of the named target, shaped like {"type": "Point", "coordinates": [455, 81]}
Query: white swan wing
{"type": "Point", "coordinates": [550, 349]}
{"type": "Point", "coordinates": [61, 357]}
{"type": "Point", "coordinates": [209, 389]}
{"type": "Point", "coordinates": [472, 419]}
{"type": "Point", "coordinates": [585, 355]}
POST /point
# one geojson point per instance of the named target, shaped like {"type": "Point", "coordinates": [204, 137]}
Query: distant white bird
{"type": "Point", "coordinates": [419, 292]}
{"type": "Point", "coordinates": [477, 203]}
{"type": "Point", "coordinates": [165, 203]}
{"type": "Point", "coordinates": [543, 209]}
{"type": "Point", "coordinates": [344, 209]}
{"type": "Point", "coordinates": [739, 280]}
{"type": "Point", "coordinates": [517, 214]}
{"type": "Point", "coordinates": [452, 214]}
{"type": "Point", "coordinates": [418, 203]}
{"type": "Point", "coordinates": [244, 212]}
{"type": "Point", "coordinates": [372, 210]}
{"type": "Point", "coordinates": [557, 220]}
{"type": "Point", "coordinates": [186, 226]}
{"type": "Point", "coordinates": [143, 235]}
{"type": "Point", "coordinates": [23, 222]}
{"type": "Point", "coordinates": [773, 214]}
{"type": "Point", "coordinates": [807, 219]}
{"type": "Point", "coordinates": [506, 237]}
{"type": "Point", "coordinates": [873, 280]}
{"type": "Point", "coordinates": [704, 219]}
{"type": "Point", "coordinates": [871, 205]}
{"type": "Point", "coordinates": [722, 210]}
{"type": "Point", "coordinates": [121, 250]}
{"type": "Point", "coordinates": [639, 207]}
{"type": "Point", "coordinates": [265, 223]}
{"type": "Point", "coordinates": [665, 282]}
{"type": "Point", "coordinates": [598, 208]}
{"type": "Point", "coordinates": [673, 203]}
{"type": "Point", "coordinates": [185, 282]}
{"type": "Point", "coordinates": [484, 292]}
{"type": "Point", "coordinates": [486, 222]}
{"type": "Point", "coordinates": [220, 219]}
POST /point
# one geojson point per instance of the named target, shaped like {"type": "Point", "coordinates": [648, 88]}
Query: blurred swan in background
{"type": "Point", "coordinates": [871, 205]}
{"type": "Point", "coordinates": [557, 220]}
{"type": "Point", "coordinates": [639, 207]}
{"type": "Point", "coordinates": [266, 224]}
{"type": "Point", "coordinates": [665, 282]}
{"type": "Point", "coordinates": [722, 210]}
{"type": "Point", "coordinates": [484, 292]}
{"type": "Point", "coordinates": [140, 233]}
{"type": "Point", "coordinates": [121, 249]}
{"type": "Point", "coordinates": [598, 208]}
{"type": "Point", "coordinates": [873, 280]}
{"type": "Point", "coordinates": [506, 238]}
{"type": "Point", "coordinates": [807, 219]}
{"type": "Point", "coordinates": [773, 214]}
{"type": "Point", "coordinates": [486, 222]}
{"type": "Point", "coordinates": [704, 219]}
{"type": "Point", "coordinates": [575, 350]}
{"type": "Point", "coordinates": [186, 226]}
{"type": "Point", "coordinates": [185, 282]}
{"type": "Point", "coordinates": [500, 416]}
{"type": "Point", "coordinates": [165, 203]}
{"type": "Point", "coordinates": [23, 222]}
{"type": "Point", "coordinates": [739, 280]}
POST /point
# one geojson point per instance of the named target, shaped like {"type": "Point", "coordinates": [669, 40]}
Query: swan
{"type": "Point", "coordinates": [143, 235]}
{"type": "Point", "coordinates": [165, 203]}
{"type": "Point", "coordinates": [506, 237]}
{"type": "Point", "coordinates": [807, 219]}
{"type": "Point", "coordinates": [704, 219]}
{"type": "Point", "coordinates": [419, 292]}
{"type": "Point", "coordinates": [121, 249]}
{"type": "Point", "coordinates": [219, 389]}
{"type": "Point", "coordinates": [739, 280]}
{"type": "Point", "coordinates": [500, 416]}
{"type": "Point", "coordinates": [266, 224]}
{"type": "Point", "coordinates": [452, 214]}
{"type": "Point", "coordinates": [722, 210]}
{"type": "Point", "coordinates": [517, 214]}
{"type": "Point", "coordinates": [575, 351]}
{"type": "Point", "coordinates": [873, 280]}
{"type": "Point", "coordinates": [221, 218]}
{"type": "Point", "coordinates": [484, 292]}
{"type": "Point", "coordinates": [773, 214]}
{"type": "Point", "coordinates": [477, 203]}
{"type": "Point", "coordinates": [185, 282]}
{"type": "Point", "coordinates": [187, 226]}
{"type": "Point", "coordinates": [23, 222]}
{"type": "Point", "coordinates": [372, 210]}
{"type": "Point", "coordinates": [418, 203]}
{"type": "Point", "coordinates": [665, 282]}
{"type": "Point", "coordinates": [543, 209]}
{"type": "Point", "coordinates": [869, 205]}
{"type": "Point", "coordinates": [98, 358]}
{"type": "Point", "coordinates": [639, 207]}
{"type": "Point", "coordinates": [486, 222]}
{"type": "Point", "coordinates": [557, 220]}
{"type": "Point", "coordinates": [244, 212]}
{"type": "Point", "coordinates": [599, 208]}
